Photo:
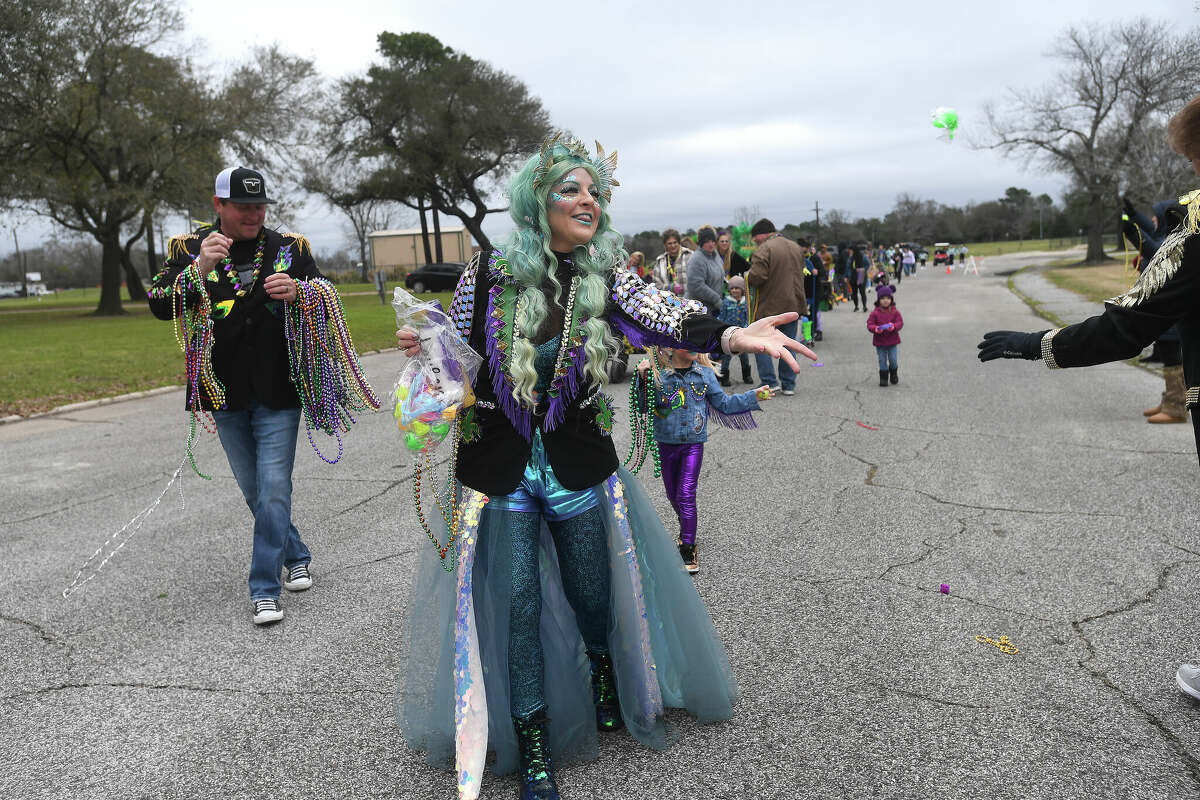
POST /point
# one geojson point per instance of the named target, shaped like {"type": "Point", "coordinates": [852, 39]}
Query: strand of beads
{"type": "Point", "coordinates": [324, 364]}
{"type": "Point", "coordinates": [194, 333]}
{"type": "Point", "coordinates": [641, 425]}
{"type": "Point", "coordinates": [447, 506]}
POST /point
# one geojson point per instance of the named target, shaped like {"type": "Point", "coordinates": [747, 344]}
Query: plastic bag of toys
{"type": "Point", "coordinates": [435, 385]}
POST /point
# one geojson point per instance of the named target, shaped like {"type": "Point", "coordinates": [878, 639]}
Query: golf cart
{"type": "Point", "coordinates": [941, 253]}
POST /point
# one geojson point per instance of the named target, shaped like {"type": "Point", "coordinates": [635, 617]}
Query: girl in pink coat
{"type": "Point", "coordinates": [885, 322]}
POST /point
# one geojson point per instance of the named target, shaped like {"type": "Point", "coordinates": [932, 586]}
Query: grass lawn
{"type": "Point", "coordinates": [89, 297]}
{"type": "Point", "coordinates": [1095, 283]}
{"type": "Point", "coordinates": [983, 249]}
{"type": "Point", "coordinates": [54, 357]}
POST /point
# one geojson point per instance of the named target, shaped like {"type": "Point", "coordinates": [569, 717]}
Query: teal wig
{"type": "Point", "coordinates": [533, 264]}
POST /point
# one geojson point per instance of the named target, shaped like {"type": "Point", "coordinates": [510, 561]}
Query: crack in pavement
{"type": "Point", "coordinates": [1190, 762]}
{"type": "Point", "coordinates": [930, 547]}
{"type": "Point", "coordinates": [188, 688]}
{"type": "Point", "coordinates": [873, 470]}
{"type": "Point", "coordinates": [60, 509]}
{"type": "Point", "coordinates": [44, 633]}
{"type": "Point", "coordinates": [346, 567]}
{"type": "Point", "coordinates": [1035, 440]}
{"type": "Point", "coordinates": [927, 697]}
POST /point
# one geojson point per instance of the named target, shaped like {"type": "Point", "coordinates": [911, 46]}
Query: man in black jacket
{"type": "Point", "coordinates": [1166, 294]}
{"type": "Point", "coordinates": [249, 272]}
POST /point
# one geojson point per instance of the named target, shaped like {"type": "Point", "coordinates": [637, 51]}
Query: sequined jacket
{"type": "Point", "coordinates": [249, 349]}
{"type": "Point", "coordinates": [574, 417]}
{"type": "Point", "coordinates": [1166, 294]}
{"type": "Point", "coordinates": [683, 403]}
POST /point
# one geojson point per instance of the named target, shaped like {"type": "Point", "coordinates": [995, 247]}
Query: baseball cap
{"type": "Point", "coordinates": [242, 185]}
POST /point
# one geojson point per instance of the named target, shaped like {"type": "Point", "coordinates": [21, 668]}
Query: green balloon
{"type": "Point", "coordinates": [947, 119]}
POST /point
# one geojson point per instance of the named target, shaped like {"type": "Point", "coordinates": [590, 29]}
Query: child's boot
{"type": "Point", "coordinates": [892, 374]}
{"type": "Point", "coordinates": [724, 379]}
{"type": "Point", "coordinates": [688, 553]}
{"type": "Point", "coordinates": [883, 377]}
{"type": "Point", "coordinates": [746, 375]}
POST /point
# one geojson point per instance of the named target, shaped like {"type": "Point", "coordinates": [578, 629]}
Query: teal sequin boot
{"type": "Point", "coordinates": [537, 776]}
{"type": "Point", "coordinates": [604, 693]}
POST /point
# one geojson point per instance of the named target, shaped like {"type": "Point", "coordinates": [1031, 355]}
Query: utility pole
{"type": "Point", "coordinates": [817, 209]}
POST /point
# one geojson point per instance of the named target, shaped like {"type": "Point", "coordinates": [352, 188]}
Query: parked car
{"type": "Point", "coordinates": [434, 277]}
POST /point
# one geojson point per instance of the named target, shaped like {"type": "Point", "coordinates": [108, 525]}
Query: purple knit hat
{"type": "Point", "coordinates": [885, 291]}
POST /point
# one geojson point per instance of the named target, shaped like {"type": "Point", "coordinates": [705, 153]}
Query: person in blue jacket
{"type": "Point", "coordinates": [687, 394]}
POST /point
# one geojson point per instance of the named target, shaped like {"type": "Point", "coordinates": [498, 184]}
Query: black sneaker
{"type": "Point", "coordinates": [688, 553]}
{"type": "Point", "coordinates": [266, 610]}
{"type": "Point", "coordinates": [724, 380]}
{"type": "Point", "coordinates": [297, 578]}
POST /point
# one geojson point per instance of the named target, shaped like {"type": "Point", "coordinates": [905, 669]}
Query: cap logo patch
{"type": "Point", "coordinates": [252, 185]}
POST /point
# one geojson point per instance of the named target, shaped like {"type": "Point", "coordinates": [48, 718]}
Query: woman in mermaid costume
{"type": "Point", "coordinates": [570, 612]}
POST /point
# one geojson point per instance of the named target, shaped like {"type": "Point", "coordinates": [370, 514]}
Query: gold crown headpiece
{"type": "Point", "coordinates": [605, 165]}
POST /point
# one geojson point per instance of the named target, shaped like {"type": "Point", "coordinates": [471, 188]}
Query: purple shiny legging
{"type": "Point", "coordinates": [680, 474]}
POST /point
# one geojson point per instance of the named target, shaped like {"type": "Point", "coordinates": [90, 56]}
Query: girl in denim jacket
{"type": "Point", "coordinates": [686, 394]}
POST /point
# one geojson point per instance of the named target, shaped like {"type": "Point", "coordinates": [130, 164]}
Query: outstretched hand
{"type": "Point", "coordinates": [1011, 344]}
{"type": "Point", "coordinates": [763, 336]}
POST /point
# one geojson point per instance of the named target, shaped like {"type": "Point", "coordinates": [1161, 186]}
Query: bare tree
{"type": "Point", "coordinates": [1118, 83]}
{"type": "Point", "coordinates": [1155, 171]}
{"type": "Point", "coordinates": [746, 215]}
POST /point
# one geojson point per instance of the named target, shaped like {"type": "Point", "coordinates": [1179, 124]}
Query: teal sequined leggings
{"type": "Point", "coordinates": [583, 561]}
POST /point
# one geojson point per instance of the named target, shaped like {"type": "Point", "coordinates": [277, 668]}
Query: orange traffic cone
{"type": "Point", "coordinates": [947, 267]}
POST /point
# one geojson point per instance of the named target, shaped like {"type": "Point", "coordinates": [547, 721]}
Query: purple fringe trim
{"type": "Point", "coordinates": [520, 417]}
{"type": "Point", "coordinates": [741, 421]}
{"type": "Point", "coordinates": [566, 387]}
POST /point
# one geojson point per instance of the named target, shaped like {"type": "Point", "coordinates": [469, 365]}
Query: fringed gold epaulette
{"type": "Point", "coordinates": [1191, 201]}
{"type": "Point", "coordinates": [1166, 262]}
{"type": "Point", "coordinates": [177, 247]}
{"type": "Point", "coordinates": [301, 241]}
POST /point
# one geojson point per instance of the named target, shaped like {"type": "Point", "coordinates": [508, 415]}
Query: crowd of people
{"type": "Point", "coordinates": [569, 611]}
{"type": "Point", "coordinates": [784, 276]}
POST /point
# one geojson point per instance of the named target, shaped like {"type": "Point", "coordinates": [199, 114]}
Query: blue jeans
{"type": "Point", "coordinates": [766, 364]}
{"type": "Point", "coordinates": [887, 357]}
{"type": "Point", "coordinates": [726, 359]}
{"type": "Point", "coordinates": [260, 444]}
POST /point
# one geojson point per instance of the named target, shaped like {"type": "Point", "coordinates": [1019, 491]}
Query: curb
{"type": "Point", "coordinates": [104, 401]}
{"type": "Point", "coordinates": [1057, 321]}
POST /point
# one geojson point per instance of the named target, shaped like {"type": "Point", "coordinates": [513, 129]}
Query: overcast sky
{"type": "Point", "coordinates": [712, 105]}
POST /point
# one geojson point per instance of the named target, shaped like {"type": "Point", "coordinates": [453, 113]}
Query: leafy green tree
{"type": "Point", "coordinates": [441, 129]}
{"type": "Point", "coordinates": [96, 125]}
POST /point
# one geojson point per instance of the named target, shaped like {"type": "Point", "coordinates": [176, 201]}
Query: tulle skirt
{"type": "Point", "coordinates": [664, 647]}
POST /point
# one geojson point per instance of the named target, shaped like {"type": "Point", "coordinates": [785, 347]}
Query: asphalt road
{"type": "Point", "coordinates": [1055, 514]}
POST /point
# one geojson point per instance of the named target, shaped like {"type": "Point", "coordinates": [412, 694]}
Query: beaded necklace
{"type": "Point", "coordinates": [641, 426]}
{"type": "Point", "coordinates": [450, 511]}
{"type": "Point", "coordinates": [194, 334]}
{"type": "Point", "coordinates": [232, 274]}
{"type": "Point", "coordinates": [324, 364]}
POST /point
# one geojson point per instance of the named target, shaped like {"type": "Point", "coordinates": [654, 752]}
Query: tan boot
{"type": "Point", "coordinates": [1163, 418]}
{"type": "Point", "coordinates": [1150, 412]}
{"type": "Point", "coordinates": [1174, 403]}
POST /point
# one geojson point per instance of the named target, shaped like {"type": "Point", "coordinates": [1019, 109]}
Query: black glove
{"type": "Point", "coordinates": [1131, 232]}
{"type": "Point", "coordinates": [1128, 207]}
{"type": "Point", "coordinates": [1011, 344]}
